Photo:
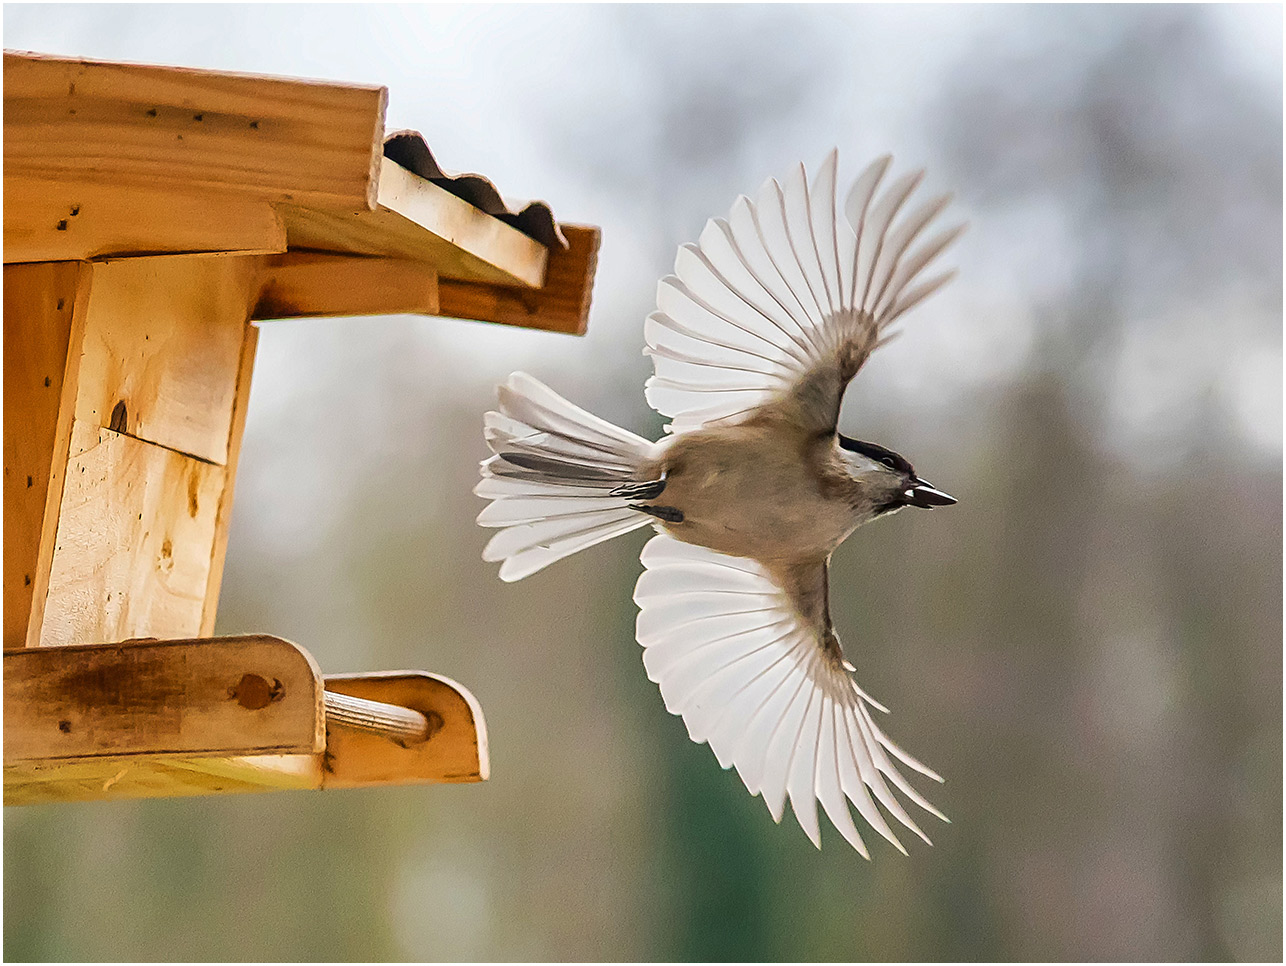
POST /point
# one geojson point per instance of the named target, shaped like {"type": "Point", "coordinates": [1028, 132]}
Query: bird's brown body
{"type": "Point", "coordinates": [796, 506]}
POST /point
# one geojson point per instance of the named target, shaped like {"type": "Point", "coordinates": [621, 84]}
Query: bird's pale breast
{"type": "Point", "coordinates": [752, 491]}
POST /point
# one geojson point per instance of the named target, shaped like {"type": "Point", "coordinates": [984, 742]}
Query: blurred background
{"type": "Point", "coordinates": [1089, 647]}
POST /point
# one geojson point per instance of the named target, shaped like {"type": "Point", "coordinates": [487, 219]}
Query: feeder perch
{"type": "Point", "coordinates": [152, 217]}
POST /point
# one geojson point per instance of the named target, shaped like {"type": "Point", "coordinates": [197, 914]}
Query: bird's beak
{"type": "Point", "coordinates": [922, 494]}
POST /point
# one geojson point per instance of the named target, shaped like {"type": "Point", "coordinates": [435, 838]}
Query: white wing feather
{"type": "Point", "coordinates": [776, 289]}
{"type": "Point", "coordinates": [731, 656]}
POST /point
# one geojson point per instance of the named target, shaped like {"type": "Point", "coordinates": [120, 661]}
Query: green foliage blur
{"type": "Point", "coordinates": [1088, 647]}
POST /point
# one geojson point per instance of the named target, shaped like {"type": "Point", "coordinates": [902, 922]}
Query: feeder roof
{"type": "Point", "coordinates": [108, 159]}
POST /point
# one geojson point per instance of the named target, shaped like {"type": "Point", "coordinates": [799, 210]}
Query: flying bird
{"type": "Point", "coordinates": [757, 334]}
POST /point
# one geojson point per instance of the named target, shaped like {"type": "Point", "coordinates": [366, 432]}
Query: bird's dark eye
{"type": "Point", "coordinates": [888, 461]}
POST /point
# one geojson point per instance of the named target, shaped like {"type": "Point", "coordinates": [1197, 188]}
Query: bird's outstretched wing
{"type": "Point", "coordinates": [754, 670]}
{"type": "Point", "coordinates": [780, 303]}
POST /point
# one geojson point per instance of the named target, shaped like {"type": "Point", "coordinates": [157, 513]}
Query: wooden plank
{"type": "Point", "coordinates": [38, 302]}
{"type": "Point", "coordinates": [310, 284]}
{"type": "Point", "coordinates": [284, 140]}
{"type": "Point", "coordinates": [49, 220]}
{"type": "Point", "coordinates": [115, 778]}
{"type": "Point", "coordinates": [455, 752]}
{"type": "Point", "coordinates": [43, 321]}
{"type": "Point", "coordinates": [256, 772]}
{"type": "Point", "coordinates": [415, 219]}
{"type": "Point", "coordinates": [230, 696]}
{"type": "Point", "coordinates": [163, 347]}
{"type": "Point", "coordinates": [223, 516]}
{"type": "Point", "coordinates": [132, 555]}
{"type": "Point", "coordinates": [560, 305]}
{"type": "Point", "coordinates": [481, 246]}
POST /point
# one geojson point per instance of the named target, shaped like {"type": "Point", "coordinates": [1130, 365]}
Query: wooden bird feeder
{"type": "Point", "coordinates": [152, 216]}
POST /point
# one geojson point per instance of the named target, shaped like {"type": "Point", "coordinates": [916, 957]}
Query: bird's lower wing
{"type": "Point", "coordinates": [753, 678]}
{"type": "Point", "coordinates": [779, 304]}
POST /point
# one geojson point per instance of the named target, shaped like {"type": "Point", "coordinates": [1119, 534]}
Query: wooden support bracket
{"type": "Point", "coordinates": [219, 715]}
{"type": "Point", "coordinates": [456, 750]}
{"type": "Point", "coordinates": [313, 284]}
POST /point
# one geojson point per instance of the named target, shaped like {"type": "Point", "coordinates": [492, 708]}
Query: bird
{"type": "Point", "coordinates": [756, 335]}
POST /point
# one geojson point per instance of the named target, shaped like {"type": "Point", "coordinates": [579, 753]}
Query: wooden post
{"type": "Point", "coordinates": [43, 305]}
{"type": "Point", "coordinates": [120, 533]}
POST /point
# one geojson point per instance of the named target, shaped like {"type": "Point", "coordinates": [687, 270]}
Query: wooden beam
{"type": "Point", "coordinates": [455, 752]}
{"type": "Point", "coordinates": [223, 515]}
{"type": "Point", "coordinates": [482, 246]}
{"type": "Point", "coordinates": [232, 696]}
{"type": "Point", "coordinates": [415, 219]}
{"type": "Point", "coordinates": [50, 220]}
{"type": "Point", "coordinates": [310, 284]}
{"type": "Point", "coordinates": [44, 309]}
{"type": "Point", "coordinates": [560, 305]}
{"type": "Point", "coordinates": [284, 140]}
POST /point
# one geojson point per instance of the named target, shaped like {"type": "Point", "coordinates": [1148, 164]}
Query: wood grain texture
{"type": "Point", "coordinates": [311, 284]}
{"type": "Point", "coordinates": [163, 346]}
{"type": "Point", "coordinates": [417, 220]}
{"type": "Point", "coordinates": [223, 515]}
{"type": "Point", "coordinates": [560, 305]}
{"type": "Point", "coordinates": [132, 555]}
{"type": "Point", "coordinates": [455, 752]}
{"type": "Point", "coordinates": [284, 140]}
{"type": "Point", "coordinates": [41, 333]}
{"type": "Point", "coordinates": [48, 220]}
{"type": "Point", "coordinates": [113, 779]}
{"type": "Point", "coordinates": [232, 696]}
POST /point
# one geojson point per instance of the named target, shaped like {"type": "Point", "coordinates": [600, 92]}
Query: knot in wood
{"type": "Point", "coordinates": [120, 418]}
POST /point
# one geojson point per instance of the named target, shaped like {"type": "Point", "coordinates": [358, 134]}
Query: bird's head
{"type": "Point", "coordinates": [888, 478]}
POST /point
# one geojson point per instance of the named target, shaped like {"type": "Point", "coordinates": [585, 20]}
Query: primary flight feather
{"type": "Point", "coordinates": [755, 337]}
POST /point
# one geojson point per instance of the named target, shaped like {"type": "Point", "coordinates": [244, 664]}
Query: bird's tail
{"type": "Point", "coordinates": [561, 480]}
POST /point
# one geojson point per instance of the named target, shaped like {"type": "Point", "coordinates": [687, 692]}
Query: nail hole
{"type": "Point", "coordinates": [253, 693]}
{"type": "Point", "coordinates": [435, 724]}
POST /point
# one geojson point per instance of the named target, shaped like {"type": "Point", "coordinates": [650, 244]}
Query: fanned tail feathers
{"type": "Point", "coordinates": [552, 479]}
